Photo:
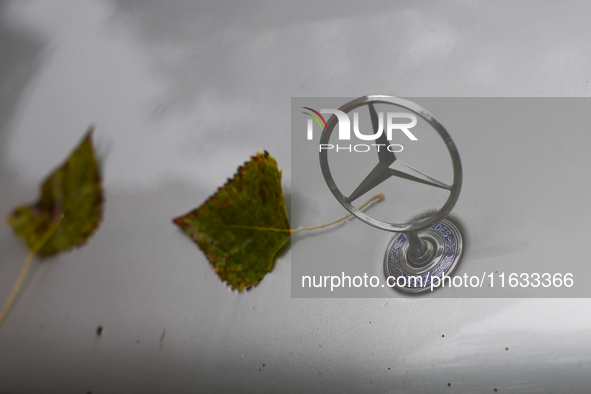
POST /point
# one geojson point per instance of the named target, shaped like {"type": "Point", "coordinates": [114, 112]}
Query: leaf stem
{"type": "Point", "coordinates": [378, 196]}
{"type": "Point", "coordinates": [26, 265]}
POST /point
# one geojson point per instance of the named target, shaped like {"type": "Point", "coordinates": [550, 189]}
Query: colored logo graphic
{"type": "Point", "coordinates": [380, 126]}
{"type": "Point", "coordinates": [310, 132]}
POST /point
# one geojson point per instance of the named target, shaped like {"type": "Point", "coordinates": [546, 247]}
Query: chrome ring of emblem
{"type": "Point", "coordinates": [403, 275]}
{"type": "Point", "coordinates": [389, 166]}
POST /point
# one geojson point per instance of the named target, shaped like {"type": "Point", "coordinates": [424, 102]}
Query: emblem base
{"type": "Point", "coordinates": [444, 245]}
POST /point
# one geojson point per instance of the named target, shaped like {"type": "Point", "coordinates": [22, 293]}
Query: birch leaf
{"type": "Point", "coordinates": [242, 226]}
{"type": "Point", "coordinates": [72, 195]}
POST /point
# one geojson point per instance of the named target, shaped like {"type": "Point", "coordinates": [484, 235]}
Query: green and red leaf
{"type": "Point", "coordinates": [72, 195]}
{"type": "Point", "coordinates": [243, 226]}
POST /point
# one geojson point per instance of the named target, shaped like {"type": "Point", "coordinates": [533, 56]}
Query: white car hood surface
{"type": "Point", "coordinates": [182, 93]}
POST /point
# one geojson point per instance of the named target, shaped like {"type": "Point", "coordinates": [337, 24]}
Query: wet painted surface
{"type": "Point", "coordinates": [182, 94]}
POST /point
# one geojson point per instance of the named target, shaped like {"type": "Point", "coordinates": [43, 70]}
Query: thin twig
{"type": "Point", "coordinates": [26, 265]}
{"type": "Point", "coordinates": [378, 196]}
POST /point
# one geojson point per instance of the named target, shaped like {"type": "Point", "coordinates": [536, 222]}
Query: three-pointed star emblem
{"type": "Point", "coordinates": [389, 166]}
